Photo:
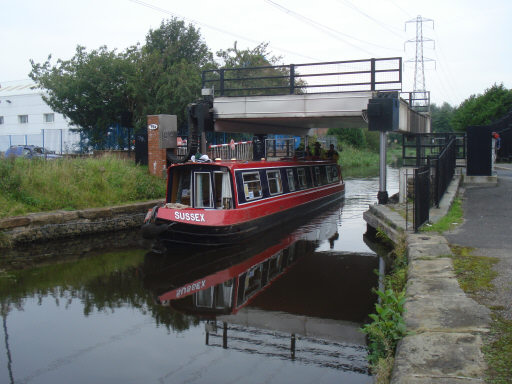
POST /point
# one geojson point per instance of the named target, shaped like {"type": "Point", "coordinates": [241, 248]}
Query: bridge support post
{"type": "Point", "coordinates": [382, 196]}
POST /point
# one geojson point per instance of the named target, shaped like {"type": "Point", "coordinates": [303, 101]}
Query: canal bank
{"type": "Point", "coordinates": [446, 328]}
{"type": "Point", "coordinates": [45, 226]}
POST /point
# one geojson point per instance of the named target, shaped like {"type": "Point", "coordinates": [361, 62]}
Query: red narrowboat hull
{"type": "Point", "coordinates": [226, 226]}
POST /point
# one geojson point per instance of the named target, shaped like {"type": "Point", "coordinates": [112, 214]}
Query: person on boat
{"type": "Point", "coordinates": [317, 152]}
{"type": "Point", "coordinates": [307, 153]}
{"type": "Point", "coordinates": [332, 154]}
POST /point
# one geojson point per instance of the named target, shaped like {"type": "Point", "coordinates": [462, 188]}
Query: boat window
{"type": "Point", "coordinates": [203, 190]}
{"type": "Point", "coordinates": [204, 298]}
{"type": "Point", "coordinates": [323, 175]}
{"type": "Point", "coordinates": [252, 185]}
{"type": "Point", "coordinates": [301, 173]}
{"type": "Point", "coordinates": [291, 179]}
{"type": "Point", "coordinates": [223, 293]}
{"type": "Point", "coordinates": [274, 182]}
{"type": "Point", "coordinates": [317, 176]}
{"type": "Point", "coordinates": [332, 174]}
{"type": "Point", "coordinates": [180, 192]}
{"type": "Point", "coordinates": [223, 198]}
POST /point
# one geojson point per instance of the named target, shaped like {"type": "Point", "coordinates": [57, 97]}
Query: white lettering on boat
{"type": "Point", "coordinates": [191, 288]}
{"type": "Point", "coordinates": [197, 217]}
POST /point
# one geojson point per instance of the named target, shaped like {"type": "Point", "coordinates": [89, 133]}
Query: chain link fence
{"type": "Point", "coordinates": [57, 140]}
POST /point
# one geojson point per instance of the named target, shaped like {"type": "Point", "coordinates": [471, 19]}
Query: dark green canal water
{"type": "Point", "coordinates": [285, 308]}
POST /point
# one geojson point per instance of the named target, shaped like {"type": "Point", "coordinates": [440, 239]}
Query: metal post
{"type": "Point", "coordinates": [43, 136]}
{"type": "Point", "coordinates": [382, 196]}
{"type": "Point", "coordinates": [372, 74]}
{"type": "Point", "coordinates": [225, 336]}
{"type": "Point", "coordinates": [26, 142]}
{"type": "Point", "coordinates": [10, 141]}
{"type": "Point", "coordinates": [61, 141]}
{"type": "Point", "coordinates": [292, 79]}
{"type": "Point", "coordinates": [292, 346]}
{"type": "Point", "coordinates": [222, 82]}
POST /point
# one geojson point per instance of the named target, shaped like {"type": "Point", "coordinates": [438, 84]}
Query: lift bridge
{"type": "Point", "coordinates": [292, 99]}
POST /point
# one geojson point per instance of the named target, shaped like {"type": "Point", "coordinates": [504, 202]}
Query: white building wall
{"type": "Point", "coordinates": [21, 98]}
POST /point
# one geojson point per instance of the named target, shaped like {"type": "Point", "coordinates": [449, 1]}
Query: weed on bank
{"type": "Point", "coordinates": [37, 185]}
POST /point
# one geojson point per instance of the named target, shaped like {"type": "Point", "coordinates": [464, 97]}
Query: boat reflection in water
{"type": "Point", "coordinates": [277, 297]}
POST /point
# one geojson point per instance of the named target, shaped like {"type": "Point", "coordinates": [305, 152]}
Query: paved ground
{"type": "Point", "coordinates": [488, 228]}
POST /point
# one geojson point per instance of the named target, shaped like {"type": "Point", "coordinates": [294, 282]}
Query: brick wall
{"type": "Point", "coordinates": [157, 162]}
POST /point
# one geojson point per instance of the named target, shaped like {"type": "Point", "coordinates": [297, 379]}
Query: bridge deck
{"type": "Point", "coordinates": [296, 114]}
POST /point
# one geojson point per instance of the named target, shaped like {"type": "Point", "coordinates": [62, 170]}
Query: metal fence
{"type": "Point", "coordinates": [383, 74]}
{"type": "Point", "coordinates": [57, 140]}
{"type": "Point", "coordinates": [236, 150]}
{"type": "Point", "coordinates": [418, 147]}
{"type": "Point", "coordinates": [421, 196]}
{"type": "Point", "coordinates": [443, 167]}
{"type": "Point", "coordinates": [279, 148]}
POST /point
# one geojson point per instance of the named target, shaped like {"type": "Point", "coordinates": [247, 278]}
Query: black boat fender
{"type": "Point", "coordinates": [150, 229]}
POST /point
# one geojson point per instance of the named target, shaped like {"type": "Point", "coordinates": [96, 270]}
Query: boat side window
{"type": "Point", "coordinates": [252, 185]}
{"type": "Point", "coordinates": [223, 197]}
{"type": "Point", "coordinates": [301, 176]}
{"type": "Point", "coordinates": [317, 179]}
{"type": "Point", "coordinates": [291, 179]}
{"type": "Point", "coordinates": [275, 185]}
{"type": "Point", "coordinates": [332, 174]}
{"type": "Point", "coordinates": [223, 294]}
{"type": "Point", "coordinates": [180, 192]}
{"type": "Point", "coordinates": [203, 190]}
{"type": "Point", "coordinates": [323, 175]}
{"type": "Point", "coordinates": [204, 298]}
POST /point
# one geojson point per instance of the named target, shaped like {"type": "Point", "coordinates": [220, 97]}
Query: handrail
{"type": "Point", "coordinates": [335, 76]}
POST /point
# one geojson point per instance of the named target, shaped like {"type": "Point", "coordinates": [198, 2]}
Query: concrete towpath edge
{"type": "Point", "coordinates": [445, 326]}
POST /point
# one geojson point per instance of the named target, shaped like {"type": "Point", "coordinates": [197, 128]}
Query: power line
{"type": "Point", "coordinates": [226, 32]}
{"type": "Point", "coordinates": [328, 30]}
{"type": "Point", "coordinates": [400, 8]}
{"type": "Point", "coordinates": [378, 22]}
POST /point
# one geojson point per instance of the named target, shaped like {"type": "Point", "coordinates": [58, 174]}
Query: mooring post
{"type": "Point", "coordinates": [382, 196]}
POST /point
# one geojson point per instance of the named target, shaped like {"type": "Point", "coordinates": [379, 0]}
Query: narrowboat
{"type": "Point", "coordinates": [222, 202]}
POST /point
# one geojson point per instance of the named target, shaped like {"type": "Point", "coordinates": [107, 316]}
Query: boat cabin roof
{"type": "Point", "coordinates": [242, 164]}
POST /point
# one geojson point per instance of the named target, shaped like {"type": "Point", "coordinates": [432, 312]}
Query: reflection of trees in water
{"type": "Point", "coordinates": [102, 287]}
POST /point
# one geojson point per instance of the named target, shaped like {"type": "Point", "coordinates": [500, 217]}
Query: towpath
{"type": "Point", "coordinates": [487, 228]}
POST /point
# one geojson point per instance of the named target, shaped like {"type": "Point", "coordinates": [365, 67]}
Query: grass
{"type": "Point", "coordinates": [363, 162]}
{"type": "Point", "coordinates": [352, 157]}
{"type": "Point", "coordinates": [388, 327]}
{"type": "Point", "coordinates": [474, 273]}
{"type": "Point", "coordinates": [498, 353]}
{"type": "Point", "coordinates": [37, 185]}
{"type": "Point", "coordinates": [453, 218]}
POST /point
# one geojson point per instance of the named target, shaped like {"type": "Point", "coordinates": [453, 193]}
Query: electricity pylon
{"type": "Point", "coordinates": [420, 95]}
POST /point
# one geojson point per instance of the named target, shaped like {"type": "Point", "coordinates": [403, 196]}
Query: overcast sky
{"type": "Point", "coordinates": [472, 37]}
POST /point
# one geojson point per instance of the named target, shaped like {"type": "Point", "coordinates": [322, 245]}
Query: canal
{"type": "Point", "coordinates": [286, 308]}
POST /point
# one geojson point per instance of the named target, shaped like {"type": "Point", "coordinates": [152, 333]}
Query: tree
{"type": "Point", "coordinates": [92, 89]}
{"type": "Point", "coordinates": [171, 64]}
{"type": "Point", "coordinates": [255, 68]}
{"type": "Point", "coordinates": [441, 117]}
{"type": "Point", "coordinates": [101, 88]}
{"type": "Point", "coordinates": [495, 103]}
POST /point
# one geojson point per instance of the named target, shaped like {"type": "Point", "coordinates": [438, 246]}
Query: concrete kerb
{"type": "Point", "coordinates": [444, 343]}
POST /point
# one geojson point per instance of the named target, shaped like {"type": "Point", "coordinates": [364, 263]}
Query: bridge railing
{"type": "Point", "coordinates": [383, 74]}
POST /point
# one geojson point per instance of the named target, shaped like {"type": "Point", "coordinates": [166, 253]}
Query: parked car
{"type": "Point", "coordinates": [30, 151]}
